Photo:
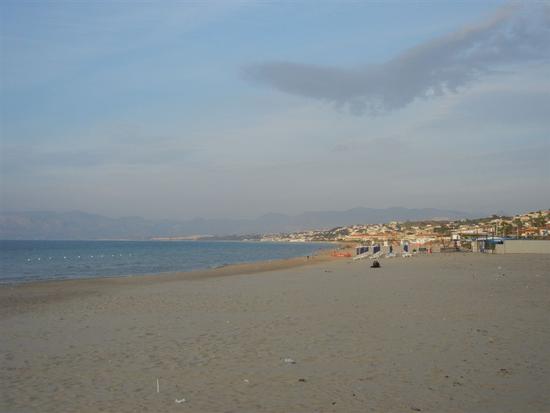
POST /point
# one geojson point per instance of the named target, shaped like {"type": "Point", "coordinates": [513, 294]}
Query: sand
{"type": "Point", "coordinates": [438, 333]}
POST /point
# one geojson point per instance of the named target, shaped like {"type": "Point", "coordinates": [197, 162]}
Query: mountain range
{"type": "Point", "coordinates": [42, 225]}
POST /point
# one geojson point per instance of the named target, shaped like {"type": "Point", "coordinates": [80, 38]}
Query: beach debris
{"type": "Point", "coordinates": [302, 380]}
{"type": "Point", "coordinates": [158, 386]}
{"type": "Point", "coordinates": [288, 360]}
{"type": "Point", "coordinates": [180, 401]}
{"type": "Point", "coordinates": [246, 381]}
{"type": "Point", "coordinates": [375, 264]}
{"type": "Point", "coordinates": [416, 409]}
{"type": "Point", "coordinates": [504, 372]}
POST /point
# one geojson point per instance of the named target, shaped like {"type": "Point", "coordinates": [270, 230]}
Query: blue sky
{"type": "Point", "coordinates": [236, 109]}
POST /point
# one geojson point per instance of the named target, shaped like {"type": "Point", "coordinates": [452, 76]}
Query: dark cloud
{"type": "Point", "coordinates": [514, 34]}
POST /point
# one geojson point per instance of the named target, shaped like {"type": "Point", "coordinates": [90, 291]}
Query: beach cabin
{"type": "Point", "coordinates": [478, 245]}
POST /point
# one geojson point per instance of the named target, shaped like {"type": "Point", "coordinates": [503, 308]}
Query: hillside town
{"type": "Point", "coordinates": [432, 234]}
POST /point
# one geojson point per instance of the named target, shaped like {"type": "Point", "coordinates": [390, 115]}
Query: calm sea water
{"type": "Point", "coordinates": [23, 261]}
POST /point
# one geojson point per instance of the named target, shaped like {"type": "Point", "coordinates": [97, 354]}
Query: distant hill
{"type": "Point", "coordinates": [82, 225]}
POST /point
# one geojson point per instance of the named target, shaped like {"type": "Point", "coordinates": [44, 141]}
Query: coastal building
{"type": "Point", "coordinates": [450, 235]}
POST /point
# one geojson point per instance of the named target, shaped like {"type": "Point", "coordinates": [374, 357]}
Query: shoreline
{"type": "Point", "coordinates": [224, 269]}
{"type": "Point", "coordinates": [42, 291]}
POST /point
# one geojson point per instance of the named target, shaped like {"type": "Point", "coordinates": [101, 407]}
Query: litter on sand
{"type": "Point", "coordinates": [375, 264]}
{"type": "Point", "coordinates": [180, 401]}
{"type": "Point", "coordinates": [289, 361]}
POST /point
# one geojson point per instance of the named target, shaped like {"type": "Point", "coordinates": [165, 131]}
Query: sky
{"type": "Point", "coordinates": [234, 109]}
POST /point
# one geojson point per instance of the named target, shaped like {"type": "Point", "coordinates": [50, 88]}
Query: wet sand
{"type": "Point", "coordinates": [437, 333]}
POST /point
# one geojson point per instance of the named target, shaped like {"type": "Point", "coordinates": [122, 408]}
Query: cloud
{"type": "Point", "coordinates": [40, 160]}
{"type": "Point", "coordinates": [515, 34]}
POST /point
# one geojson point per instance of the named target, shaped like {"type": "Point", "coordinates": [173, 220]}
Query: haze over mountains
{"type": "Point", "coordinates": [81, 225]}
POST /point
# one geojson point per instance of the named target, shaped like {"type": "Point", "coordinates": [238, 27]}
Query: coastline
{"type": "Point", "coordinates": [257, 262]}
{"type": "Point", "coordinates": [42, 291]}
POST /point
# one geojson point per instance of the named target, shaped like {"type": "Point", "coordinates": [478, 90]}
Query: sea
{"type": "Point", "coordinates": [26, 261]}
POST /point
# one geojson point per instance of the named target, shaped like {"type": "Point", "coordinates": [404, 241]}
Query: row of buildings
{"type": "Point", "coordinates": [432, 234]}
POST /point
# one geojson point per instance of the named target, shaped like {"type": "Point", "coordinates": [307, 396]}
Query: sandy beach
{"type": "Point", "coordinates": [437, 333]}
